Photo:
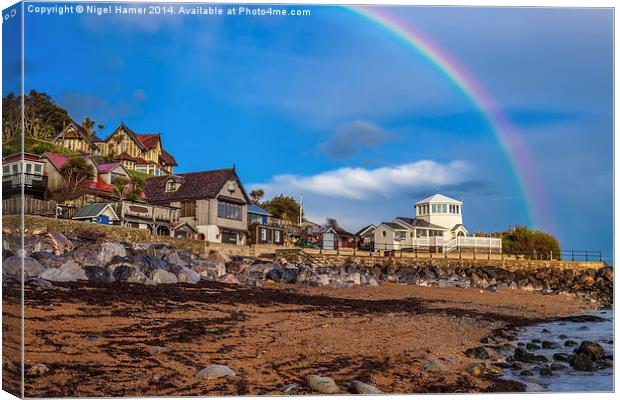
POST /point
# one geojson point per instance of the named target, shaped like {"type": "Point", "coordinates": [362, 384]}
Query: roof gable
{"type": "Point", "coordinates": [134, 136]}
{"type": "Point", "coordinates": [77, 131]}
{"type": "Point", "coordinates": [196, 185]}
{"type": "Point", "coordinates": [94, 210]}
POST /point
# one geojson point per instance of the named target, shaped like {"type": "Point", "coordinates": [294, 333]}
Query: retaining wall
{"type": "Point", "coordinates": [439, 260]}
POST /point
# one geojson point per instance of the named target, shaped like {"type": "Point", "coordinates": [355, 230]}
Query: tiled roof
{"type": "Point", "coordinates": [126, 156]}
{"type": "Point", "coordinates": [97, 185]}
{"type": "Point", "coordinates": [58, 161]}
{"type": "Point", "coordinates": [105, 167]}
{"type": "Point", "coordinates": [419, 223]}
{"type": "Point", "coordinates": [167, 158]}
{"type": "Point", "coordinates": [197, 185]}
{"type": "Point", "coordinates": [148, 140]}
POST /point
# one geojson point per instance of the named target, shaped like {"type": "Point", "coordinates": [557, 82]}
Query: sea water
{"type": "Point", "coordinates": [569, 380]}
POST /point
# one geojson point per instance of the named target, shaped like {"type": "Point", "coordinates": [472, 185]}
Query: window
{"type": "Point", "coordinates": [229, 211]}
{"type": "Point", "coordinates": [38, 169]}
{"type": "Point", "coordinates": [384, 233]}
{"type": "Point", "coordinates": [263, 234]}
{"type": "Point", "coordinates": [444, 208]}
{"type": "Point", "coordinates": [14, 168]}
{"type": "Point", "coordinates": [6, 170]}
{"type": "Point", "coordinates": [188, 209]}
{"type": "Point", "coordinates": [170, 187]}
{"type": "Point", "coordinates": [276, 236]}
{"type": "Point", "coordinates": [28, 168]}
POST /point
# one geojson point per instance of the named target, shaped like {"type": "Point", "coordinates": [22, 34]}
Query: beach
{"type": "Point", "coordinates": [127, 339]}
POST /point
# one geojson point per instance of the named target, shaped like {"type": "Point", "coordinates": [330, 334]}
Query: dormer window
{"type": "Point", "coordinates": [171, 185]}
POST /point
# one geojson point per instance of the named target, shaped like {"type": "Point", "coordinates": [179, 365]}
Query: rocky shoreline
{"type": "Point", "coordinates": [105, 290]}
{"type": "Point", "coordinates": [53, 257]}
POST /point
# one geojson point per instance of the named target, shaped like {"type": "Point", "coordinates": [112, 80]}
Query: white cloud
{"type": "Point", "coordinates": [362, 184]}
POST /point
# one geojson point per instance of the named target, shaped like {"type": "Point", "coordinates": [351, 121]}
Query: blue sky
{"type": "Point", "coordinates": [334, 107]}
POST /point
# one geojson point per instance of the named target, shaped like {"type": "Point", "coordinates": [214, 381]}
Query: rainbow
{"type": "Point", "coordinates": [530, 185]}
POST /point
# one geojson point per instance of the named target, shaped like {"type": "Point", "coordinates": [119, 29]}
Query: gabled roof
{"type": "Point", "coordinates": [58, 160]}
{"type": "Point", "coordinates": [197, 185]}
{"type": "Point", "coordinates": [149, 140]}
{"type": "Point", "coordinates": [106, 167]}
{"type": "Point", "coordinates": [418, 223]}
{"type": "Point", "coordinates": [167, 158]}
{"type": "Point", "coordinates": [254, 209]}
{"type": "Point", "coordinates": [130, 133]}
{"type": "Point", "coordinates": [94, 210]}
{"type": "Point", "coordinates": [391, 225]}
{"type": "Point", "coordinates": [439, 198]}
{"type": "Point", "coordinates": [80, 132]}
{"type": "Point", "coordinates": [364, 229]}
{"type": "Point", "coordinates": [21, 156]}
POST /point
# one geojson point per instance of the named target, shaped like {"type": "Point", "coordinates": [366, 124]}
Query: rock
{"type": "Point", "coordinates": [176, 257]}
{"type": "Point", "coordinates": [131, 275]}
{"type": "Point", "coordinates": [211, 269]}
{"type": "Point", "coordinates": [12, 267]}
{"type": "Point", "coordinates": [188, 275]}
{"type": "Point", "coordinates": [290, 390]}
{"type": "Point", "coordinates": [434, 367]}
{"type": "Point", "coordinates": [562, 357]}
{"type": "Point", "coordinates": [58, 275]}
{"type": "Point", "coordinates": [478, 369]}
{"type": "Point", "coordinates": [594, 350]}
{"type": "Point", "coordinates": [162, 276]}
{"type": "Point", "coordinates": [47, 259]}
{"type": "Point", "coordinates": [214, 372]}
{"type": "Point", "coordinates": [322, 384]}
{"type": "Point", "coordinates": [545, 371]}
{"type": "Point", "coordinates": [532, 346]}
{"type": "Point", "coordinates": [488, 340]}
{"type": "Point", "coordinates": [535, 341]}
{"type": "Point", "coordinates": [98, 275]}
{"type": "Point", "coordinates": [603, 364]}
{"type": "Point", "coordinates": [156, 349]}
{"type": "Point", "coordinates": [526, 372]}
{"type": "Point", "coordinates": [541, 358]}
{"type": "Point", "coordinates": [215, 255]}
{"type": "Point", "coordinates": [38, 370]}
{"type": "Point", "coordinates": [516, 365]}
{"type": "Point", "coordinates": [582, 362]}
{"type": "Point", "coordinates": [557, 366]}
{"type": "Point", "coordinates": [108, 250]}
{"type": "Point", "coordinates": [230, 279]}
{"type": "Point", "coordinates": [59, 242]}
{"type": "Point", "coordinates": [570, 343]}
{"type": "Point", "coordinates": [549, 345]}
{"type": "Point", "coordinates": [358, 387]}
{"type": "Point", "coordinates": [523, 355]}
{"type": "Point", "coordinates": [283, 275]}
{"type": "Point", "coordinates": [479, 353]}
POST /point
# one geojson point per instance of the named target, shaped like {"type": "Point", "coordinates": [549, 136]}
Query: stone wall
{"type": "Point", "coordinates": [439, 260]}
{"type": "Point", "coordinates": [133, 235]}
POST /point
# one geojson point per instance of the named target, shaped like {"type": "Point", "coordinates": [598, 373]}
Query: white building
{"type": "Point", "coordinates": [438, 226]}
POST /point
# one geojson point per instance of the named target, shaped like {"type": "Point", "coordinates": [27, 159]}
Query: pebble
{"type": "Point", "coordinates": [38, 370]}
{"type": "Point", "coordinates": [359, 387]}
{"type": "Point", "coordinates": [322, 384]}
{"type": "Point", "coordinates": [434, 367]}
{"type": "Point", "coordinates": [215, 372]}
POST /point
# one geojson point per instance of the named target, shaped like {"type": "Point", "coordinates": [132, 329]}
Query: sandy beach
{"type": "Point", "coordinates": [136, 340]}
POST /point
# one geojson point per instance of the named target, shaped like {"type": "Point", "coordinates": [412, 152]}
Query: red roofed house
{"type": "Point", "coordinates": [214, 203]}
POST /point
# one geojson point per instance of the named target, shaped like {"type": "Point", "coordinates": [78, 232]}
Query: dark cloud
{"type": "Point", "coordinates": [349, 139]}
{"type": "Point", "coordinates": [81, 104]}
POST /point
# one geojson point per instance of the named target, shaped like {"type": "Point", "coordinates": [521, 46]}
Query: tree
{"type": "Point", "coordinates": [256, 195]}
{"type": "Point", "coordinates": [75, 171]}
{"type": "Point", "coordinates": [531, 243]}
{"type": "Point", "coordinates": [129, 189]}
{"type": "Point", "coordinates": [43, 118]}
{"type": "Point", "coordinates": [89, 126]}
{"type": "Point", "coordinates": [283, 207]}
{"type": "Point", "coordinates": [332, 223]}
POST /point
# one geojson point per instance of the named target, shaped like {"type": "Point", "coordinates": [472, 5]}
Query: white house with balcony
{"type": "Point", "coordinates": [437, 226]}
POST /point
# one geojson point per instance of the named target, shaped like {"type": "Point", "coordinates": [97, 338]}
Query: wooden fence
{"type": "Point", "coordinates": [32, 206]}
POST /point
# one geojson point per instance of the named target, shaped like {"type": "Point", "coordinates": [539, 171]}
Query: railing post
{"type": "Point", "coordinates": [572, 255]}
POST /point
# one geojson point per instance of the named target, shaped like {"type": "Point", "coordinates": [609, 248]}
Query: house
{"type": "Point", "coordinates": [76, 138]}
{"type": "Point", "coordinates": [109, 172]}
{"type": "Point", "coordinates": [214, 203]}
{"type": "Point", "coordinates": [261, 228]}
{"type": "Point", "coordinates": [438, 226]}
{"type": "Point", "coordinates": [365, 238]}
{"type": "Point", "coordinates": [160, 219]}
{"type": "Point", "coordinates": [34, 179]}
{"type": "Point", "coordinates": [330, 238]}
{"type": "Point", "coordinates": [140, 152]}
{"type": "Point", "coordinates": [100, 213]}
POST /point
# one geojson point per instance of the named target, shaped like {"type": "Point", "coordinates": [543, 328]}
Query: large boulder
{"type": "Point", "coordinates": [593, 350]}
{"type": "Point", "coordinates": [98, 275]}
{"type": "Point", "coordinates": [58, 241]}
{"type": "Point", "coordinates": [129, 274]}
{"type": "Point", "coordinates": [108, 250]}
{"type": "Point", "coordinates": [283, 275]}
{"type": "Point", "coordinates": [358, 387]}
{"type": "Point", "coordinates": [215, 255]}
{"type": "Point", "coordinates": [187, 275]}
{"type": "Point", "coordinates": [48, 260]}
{"type": "Point", "coordinates": [163, 276]}
{"type": "Point", "coordinates": [209, 269]}
{"type": "Point", "coordinates": [58, 275]}
{"type": "Point", "coordinates": [215, 372]}
{"type": "Point", "coordinates": [12, 267]}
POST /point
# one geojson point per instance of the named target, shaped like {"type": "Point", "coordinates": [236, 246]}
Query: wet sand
{"type": "Point", "coordinates": [102, 341]}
